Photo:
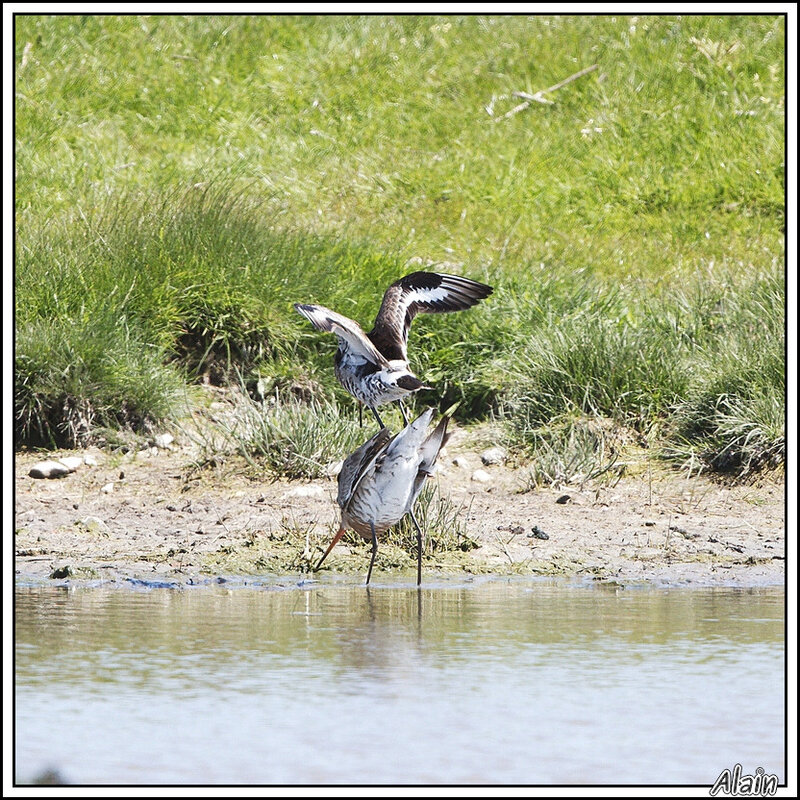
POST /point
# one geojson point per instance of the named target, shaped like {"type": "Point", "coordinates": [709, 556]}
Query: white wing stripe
{"type": "Point", "coordinates": [349, 332]}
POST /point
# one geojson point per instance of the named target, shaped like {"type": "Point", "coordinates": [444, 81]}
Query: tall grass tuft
{"type": "Point", "coordinates": [79, 377]}
{"type": "Point", "coordinates": [703, 366]}
{"type": "Point", "coordinates": [291, 438]}
{"type": "Point", "coordinates": [597, 353]}
{"type": "Point", "coordinates": [442, 521]}
{"type": "Point", "coordinates": [733, 416]}
{"type": "Point", "coordinates": [143, 292]}
{"type": "Point", "coordinates": [574, 452]}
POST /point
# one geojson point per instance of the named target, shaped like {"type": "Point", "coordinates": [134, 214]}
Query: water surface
{"type": "Point", "coordinates": [504, 682]}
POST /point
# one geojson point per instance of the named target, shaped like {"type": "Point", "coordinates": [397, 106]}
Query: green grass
{"type": "Point", "coordinates": [293, 439]}
{"type": "Point", "coordinates": [76, 379]}
{"type": "Point", "coordinates": [573, 451]}
{"type": "Point", "coordinates": [704, 367]}
{"type": "Point", "coordinates": [442, 522]}
{"type": "Point", "coordinates": [181, 181]}
{"type": "Point", "coordinates": [733, 415]}
{"type": "Point", "coordinates": [379, 124]}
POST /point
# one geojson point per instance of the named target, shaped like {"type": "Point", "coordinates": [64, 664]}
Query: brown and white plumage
{"type": "Point", "coordinates": [349, 332]}
{"type": "Point", "coordinates": [428, 292]}
{"type": "Point", "coordinates": [380, 482]}
{"type": "Point", "coordinates": [355, 465]}
{"type": "Point", "coordinates": [373, 366]}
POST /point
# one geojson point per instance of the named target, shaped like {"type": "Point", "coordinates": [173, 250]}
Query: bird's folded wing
{"type": "Point", "coordinates": [356, 464]}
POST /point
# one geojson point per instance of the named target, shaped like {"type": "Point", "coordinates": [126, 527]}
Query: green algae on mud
{"type": "Point", "coordinates": [294, 553]}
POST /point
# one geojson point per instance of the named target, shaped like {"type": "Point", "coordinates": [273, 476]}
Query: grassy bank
{"type": "Point", "coordinates": [182, 181]}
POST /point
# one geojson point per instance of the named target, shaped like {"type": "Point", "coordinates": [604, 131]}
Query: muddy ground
{"type": "Point", "coordinates": [150, 515]}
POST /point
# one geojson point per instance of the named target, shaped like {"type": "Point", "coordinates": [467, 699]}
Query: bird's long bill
{"type": "Point", "coordinates": [336, 538]}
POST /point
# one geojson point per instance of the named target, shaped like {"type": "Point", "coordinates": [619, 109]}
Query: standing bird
{"type": "Point", "coordinates": [379, 482]}
{"type": "Point", "coordinates": [373, 366]}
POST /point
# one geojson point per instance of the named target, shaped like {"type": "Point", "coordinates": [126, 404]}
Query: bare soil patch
{"type": "Point", "coordinates": [152, 516]}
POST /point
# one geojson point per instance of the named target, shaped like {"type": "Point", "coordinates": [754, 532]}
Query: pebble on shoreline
{"type": "Point", "coordinates": [494, 455]}
{"type": "Point", "coordinates": [316, 492]}
{"type": "Point", "coordinates": [58, 469]}
{"type": "Point", "coordinates": [481, 476]}
{"type": "Point", "coordinates": [49, 469]}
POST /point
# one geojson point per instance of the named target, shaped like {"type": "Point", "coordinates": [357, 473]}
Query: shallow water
{"type": "Point", "coordinates": [503, 682]}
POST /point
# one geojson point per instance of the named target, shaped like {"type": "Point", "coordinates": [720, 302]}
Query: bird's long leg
{"type": "Point", "coordinates": [330, 547]}
{"type": "Point", "coordinates": [403, 412]}
{"type": "Point", "coordinates": [377, 417]}
{"type": "Point", "coordinates": [374, 550]}
{"type": "Point", "coordinates": [360, 416]}
{"type": "Point", "coordinates": [419, 547]}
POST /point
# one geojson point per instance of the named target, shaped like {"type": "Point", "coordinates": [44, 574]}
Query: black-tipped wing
{"type": "Point", "coordinates": [430, 292]}
{"type": "Point", "coordinates": [348, 331]}
{"type": "Point", "coordinates": [357, 462]}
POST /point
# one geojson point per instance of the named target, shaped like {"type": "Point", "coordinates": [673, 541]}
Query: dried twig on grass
{"type": "Point", "coordinates": [502, 544]}
{"type": "Point", "coordinates": [533, 97]}
{"type": "Point", "coordinates": [538, 97]}
{"type": "Point", "coordinates": [560, 84]}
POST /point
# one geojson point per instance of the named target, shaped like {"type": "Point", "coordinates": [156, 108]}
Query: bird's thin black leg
{"type": "Point", "coordinates": [403, 412]}
{"type": "Point", "coordinates": [374, 551]}
{"type": "Point", "coordinates": [360, 416]}
{"type": "Point", "coordinates": [377, 417]}
{"type": "Point", "coordinates": [419, 547]}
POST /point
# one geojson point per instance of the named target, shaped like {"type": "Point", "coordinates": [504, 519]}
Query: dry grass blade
{"type": "Point", "coordinates": [539, 97]}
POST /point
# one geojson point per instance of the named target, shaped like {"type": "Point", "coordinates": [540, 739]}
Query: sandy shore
{"type": "Point", "coordinates": [150, 516]}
